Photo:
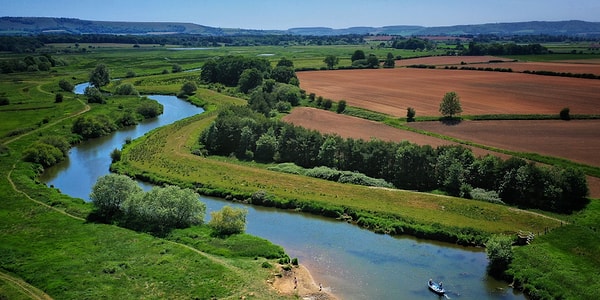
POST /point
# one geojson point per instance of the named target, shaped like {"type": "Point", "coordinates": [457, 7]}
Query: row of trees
{"type": "Point", "coordinates": [246, 72]}
{"type": "Point", "coordinates": [504, 49]}
{"type": "Point", "coordinates": [454, 169]}
{"type": "Point", "coordinates": [30, 64]}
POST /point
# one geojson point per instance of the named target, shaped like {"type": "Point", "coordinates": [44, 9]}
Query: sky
{"type": "Point", "coordinates": [285, 14]}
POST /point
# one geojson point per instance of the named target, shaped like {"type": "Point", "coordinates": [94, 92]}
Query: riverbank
{"type": "Point", "coordinates": [298, 281]}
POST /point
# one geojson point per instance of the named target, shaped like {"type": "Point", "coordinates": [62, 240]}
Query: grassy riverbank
{"type": "Point", "coordinates": [164, 156]}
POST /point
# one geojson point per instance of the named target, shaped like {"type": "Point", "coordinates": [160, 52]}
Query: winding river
{"type": "Point", "coordinates": [352, 262]}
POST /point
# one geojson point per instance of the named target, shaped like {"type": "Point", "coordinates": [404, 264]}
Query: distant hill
{"type": "Point", "coordinates": [38, 25]}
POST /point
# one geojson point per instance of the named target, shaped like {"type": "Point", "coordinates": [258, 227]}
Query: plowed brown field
{"type": "Point", "coordinates": [392, 91]}
{"type": "Point", "coordinates": [357, 128]}
{"type": "Point", "coordinates": [559, 67]}
{"type": "Point", "coordinates": [448, 60]}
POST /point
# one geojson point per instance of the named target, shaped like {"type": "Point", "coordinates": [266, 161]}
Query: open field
{"type": "Point", "coordinates": [558, 67]}
{"type": "Point", "coordinates": [392, 91]}
{"type": "Point", "coordinates": [576, 140]}
{"type": "Point", "coordinates": [449, 60]}
{"type": "Point", "coordinates": [357, 128]}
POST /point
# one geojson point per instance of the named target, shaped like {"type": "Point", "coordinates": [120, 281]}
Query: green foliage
{"type": "Point", "coordinates": [60, 142]}
{"type": "Point", "coordinates": [331, 61]}
{"type": "Point", "coordinates": [283, 74]}
{"type": "Point", "coordinates": [100, 76]}
{"type": "Point", "coordinates": [43, 154]}
{"type": "Point", "coordinates": [93, 126]}
{"type": "Point", "coordinates": [58, 98]}
{"type": "Point", "coordinates": [483, 195]}
{"type": "Point", "coordinates": [126, 89]}
{"type": "Point", "coordinates": [115, 155]}
{"type": "Point", "coordinates": [564, 114]}
{"type": "Point", "coordinates": [284, 62]}
{"type": "Point", "coordinates": [94, 95]}
{"type": "Point", "coordinates": [390, 61]}
{"type": "Point", "coordinates": [499, 252]}
{"type": "Point", "coordinates": [149, 109]}
{"type": "Point", "coordinates": [357, 55]}
{"type": "Point", "coordinates": [249, 79]}
{"type": "Point", "coordinates": [188, 89]}
{"type": "Point", "coordinates": [450, 105]}
{"type": "Point", "coordinates": [4, 100]}
{"type": "Point", "coordinates": [228, 70]}
{"type": "Point", "coordinates": [108, 195]}
{"type": "Point", "coordinates": [229, 220]}
{"type": "Point", "coordinates": [410, 114]}
{"type": "Point", "coordinates": [66, 85]}
{"type": "Point", "coordinates": [341, 107]}
{"type": "Point", "coordinates": [176, 68]}
{"type": "Point", "coordinates": [162, 209]}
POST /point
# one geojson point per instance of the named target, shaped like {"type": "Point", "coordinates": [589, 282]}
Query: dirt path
{"type": "Point", "coordinates": [26, 288]}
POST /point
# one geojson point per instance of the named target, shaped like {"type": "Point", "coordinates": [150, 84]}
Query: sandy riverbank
{"type": "Point", "coordinates": [298, 281]}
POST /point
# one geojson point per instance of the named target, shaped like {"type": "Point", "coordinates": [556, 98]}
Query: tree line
{"type": "Point", "coordinates": [243, 133]}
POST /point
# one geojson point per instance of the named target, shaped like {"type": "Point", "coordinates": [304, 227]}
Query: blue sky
{"type": "Point", "coordinates": [284, 14]}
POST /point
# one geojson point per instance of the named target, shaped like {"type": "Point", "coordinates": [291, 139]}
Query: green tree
{"type": "Point", "coordinates": [565, 114]}
{"type": "Point", "coordinates": [108, 195]}
{"type": "Point", "coordinates": [126, 89]}
{"type": "Point", "coordinates": [284, 62]}
{"type": "Point", "coordinates": [283, 74]}
{"type": "Point", "coordinates": [188, 88]}
{"type": "Point", "coordinates": [266, 146]}
{"type": "Point", "coordinates": [410, 114]}
{"type": "Point", "coordinates": [341, 107]}
{"type": "Point", "coordinates": [43, 154]}
{"type": "Point", "coordinates": [176, 68]}
{"type": "Point", "coordinates": [499, 251]}
{"type": "Point", "coordinates": [358, 54]}
{"type": "Point", "coordinates": [162, 209]}
{"type": "Point", "coordinates": [250, 79]}
{"type": "Point", "coordinates": [100, 76]}
{"type": "Point", "coordinates": [450, 105]}
{"type": "Point", "coordinates": [331, 61]}
{"type": "Point", "coordinates": [372, 61]}
{"type": "Point", "coordinates": [93, 95]}
{"type": "Point", "coordinates": [149, 108]}
{"type": "Point", "coordinates": [228, 220]}
{"type": "Point", "coordinates": [390, 62]}
{"type": "Point", "coordinates": [66, 85]}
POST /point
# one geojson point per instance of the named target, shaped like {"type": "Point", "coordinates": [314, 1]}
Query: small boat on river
{"type": "Point", "coordinates": [435, 287]}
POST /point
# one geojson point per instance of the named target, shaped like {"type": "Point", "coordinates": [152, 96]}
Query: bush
{"type": "Point", "coordinates": [499, 252]}
{"type": "Point", "coordinates": [93, 95]}
{"type": "Point", "coordinates": [564, 114]}
{"type": "Point", "coordinates": [66, 85]}
{"type": "Point", "coordinates": [126, 89]}
{"type": "Point", "coordinates": [43, 154]}
{"type": "Point", "coordinates": [4, 100]}
{"type": "Point", "coordinates": [188, 88]}
{"type": "Point", "coordinates": [483, 195]}
{"type": "Point", "coordinates": [58, 98]}
{"type": "Point", "coordinates": [228, 220]}
{"type": "Point", "coordinates": [150, 109]}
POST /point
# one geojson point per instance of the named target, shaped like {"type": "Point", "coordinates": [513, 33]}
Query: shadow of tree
{"type": "Point", "coordinates": [451, 121]}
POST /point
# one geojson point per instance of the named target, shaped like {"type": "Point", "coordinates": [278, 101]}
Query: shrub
{"type": "Point", "coordinates": [483, 195]}
{"type": "Point", "coordinates": [4, 100]}
{"type": "Point", "coordinates": [58, 98]}
{"type": "Point", "coordinates": [43, 154]}
{"type": "Point", "coordinates": [115, 155]}
{"type": "Point", "coordinates": [126, 89]}
{"type": "Point", "coordinates": [150, 109]}
{"type": "Point", "coordinates": [93, 95]}
{"type": "Point", "coordinates": [565, 114]}
{"type": "Point", "coordinates": [228, 220]}
{"type": "Point", "coordinates": [499, 252]}
{"type": "Point", "coordinates": [66, 85]}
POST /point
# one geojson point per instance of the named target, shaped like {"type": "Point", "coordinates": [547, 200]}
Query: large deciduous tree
{"type": "Point", "coordinates": [358, 54]}
{"type": "Point", "coordinates": [450, 105]}
{"type": "Point", "coordinates": [331, 61]}
{"type": "Point", "coordinates": [100, 76]}
{"type": "Point", "coordinates": [109, 193]}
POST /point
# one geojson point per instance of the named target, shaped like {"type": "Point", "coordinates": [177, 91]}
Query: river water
{"type": "Point", "coordinates": [351, 262]}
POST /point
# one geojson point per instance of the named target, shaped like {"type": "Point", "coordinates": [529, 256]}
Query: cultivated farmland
{"type": "Point", "coordinates": [391, 91]}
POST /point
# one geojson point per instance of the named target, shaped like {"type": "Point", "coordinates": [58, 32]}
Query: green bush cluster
{"type": "Point", "coordinates": [47, 151]}
{"type": "Point", "coordinates": [119, 199]}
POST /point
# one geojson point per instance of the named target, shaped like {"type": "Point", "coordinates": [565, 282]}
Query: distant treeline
{"type": "Point", "coordinates": [241, 132]}
{"type": "Point", "coordinates": [504, 49]}
{"type": "Point", "coordinates": [24, 44]}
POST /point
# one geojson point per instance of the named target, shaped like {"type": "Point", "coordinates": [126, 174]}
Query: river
{"type": "Point", "coordinates": [352, 262]}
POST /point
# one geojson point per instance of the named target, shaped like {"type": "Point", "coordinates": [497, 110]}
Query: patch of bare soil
{"type": "Point", "coordinates": [392, 91]}
{"type": "Point", "coordinates": [299, 282]}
